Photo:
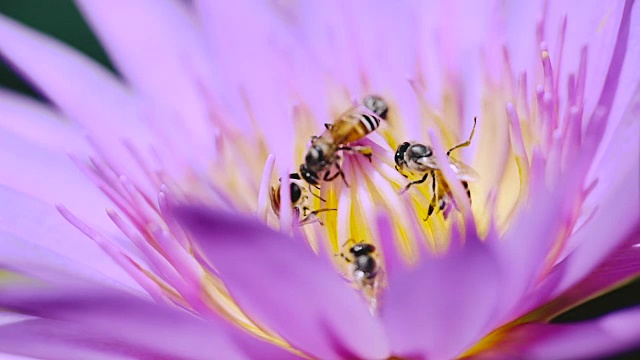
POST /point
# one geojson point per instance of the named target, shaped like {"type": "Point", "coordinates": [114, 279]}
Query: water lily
{"type": "Point", "coordinates": [215, 105]}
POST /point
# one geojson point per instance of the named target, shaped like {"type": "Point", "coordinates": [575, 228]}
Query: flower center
{"type": "Point", "coordinates": [428, 170]}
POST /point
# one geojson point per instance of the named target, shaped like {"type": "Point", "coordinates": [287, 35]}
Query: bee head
{"type": "Point", "coordinates": [377, 105]}
{"type": "Point", "coordinates": [402, 149]}
{"type": "Point", "coordinates": [309, 176]}
{"type": "Point", "coordinates": [295, 191]}
{"type": "Point", "coordinates": [362, 249]}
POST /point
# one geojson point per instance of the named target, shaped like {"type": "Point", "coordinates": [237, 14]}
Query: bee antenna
{"type": "Point", "coordinates": [350, 240]}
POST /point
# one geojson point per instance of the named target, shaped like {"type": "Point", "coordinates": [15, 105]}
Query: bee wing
{"type": "Point", "coordinates": [310, 219]}
{"type": "Point", "coordinates": [428, 161]}
{"type": "Point", "coordinates": [463, 171]}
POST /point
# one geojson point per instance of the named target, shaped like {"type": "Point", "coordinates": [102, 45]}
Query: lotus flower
{"type": "Point", "coordinates": [214, 106]}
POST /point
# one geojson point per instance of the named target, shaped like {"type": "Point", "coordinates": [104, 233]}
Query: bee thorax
{"type": "Point", "coordinates": [418, 151]}
{"type": "Point", "coordinates": [365, 266]}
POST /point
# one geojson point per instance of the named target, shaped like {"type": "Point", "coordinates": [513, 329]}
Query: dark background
{"type": "Point", "coordinates": [61, 19]}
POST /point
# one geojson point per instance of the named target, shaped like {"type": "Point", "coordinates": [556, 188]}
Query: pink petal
{"type": "Point", "coordinates": [600, 40]}
{"type": "Point", "coordinates": [107, 322]}
{"type": "Point", "coordinates": [446, 304]}
{"type": "Point", "coordinates": [600, 237]}
{"type": "Point", "coordinates": [157, 47]}
{"type": "Point", "coordinates": [618, 159]}
{"type": "Point", "coordinates": [522, 17]}
{"type": "Point", "coordinates": [39, 241]}
{"type": "Point", "coordinates": [393, 262]}
{"type": "Point", "coordinates": [614, 70]}
{"type": "Point", "coordinates": [33, 153]}
{"type": "Point", "coordinates": [629, 78]}
{"type": "Point", "coordinates": [520, 30]}
{"type": "Point", "coordinates": [261, 60]}
{"type": "Point", "coordinates": [619, 268]}
{"type": "Point", "coordinates": [83, 90]}
{"type": "Point", "coordinates": [275, 279]}
{"type": "Point", "coordinates": [532, 234]}
{"type": "Point", "coordinates": [31, 338]}
{"type": "Point", "coordinates": [39, 124]}
{"type": "Point", "coordinates": [585, 340]}
{"type": "Point", "coordinates": [614, 200]}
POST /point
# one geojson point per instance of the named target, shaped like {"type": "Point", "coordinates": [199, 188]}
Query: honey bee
{"type": "Point", "coordinates": [299, 202]}
{"type": "Point", "coordinates": [419, 159]}
{"type": "Point", "coordinates": [365, 271]}
{"type": "Point", "coordinates": [351, 126]}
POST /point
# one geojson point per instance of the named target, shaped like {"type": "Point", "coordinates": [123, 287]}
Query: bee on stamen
{"type": "Point", "coordinates": [351, 126]}
{"type": "Point", "coordinates": [299, 202]}
{"type": "Point", "coordinates": [419, 159]}
{"type": "Point", "coordinates": [364, 270]}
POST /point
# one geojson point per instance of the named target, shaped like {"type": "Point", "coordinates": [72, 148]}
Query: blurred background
{"type": "Point", "coordinates": [61, 19]}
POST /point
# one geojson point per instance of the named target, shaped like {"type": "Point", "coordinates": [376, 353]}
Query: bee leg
{"type": "Point", "coordinates": [304, 216]}
{"type": "Point", "coordinates": [468, 142]}
{"type": "Point", "coordinates": [424, 178]}
{"type": "Point", "coordinates": [315, 195]}
{"type": "Point", "coordinates": [338, 173]}
{"type": "Point", "coordinates": [332, 177]}
{"type": "Point", "coordinates": [398, 170]}
{"type": "Point", "coordinates": [328, 126]}
{"type": "Point", "coordinates": [313, 215]}
{"type": "Point", "coordinates": [364, 150]}
{"type": "Point", "coordinates": [431, 207]}
{"type": "Point", "coordinates": [315, 212]}
{"type": "Point", "coordinates": [434, 198]}
{"type": "Point", "coordinates": [466, 187]}
{"type": "Point", "coordinates": [305, 210]}
{"type": "Point", "coordinates": [429, 212]}
{"type": "Point", "coordinates": [342, 175]}
{"type": "Point", "coordinates": [309, 220]}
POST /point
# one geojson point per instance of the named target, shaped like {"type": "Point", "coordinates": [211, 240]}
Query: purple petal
{"type": "Point", "coordinates": [629, 78]}
{"type": "Point", "coordinates": [612, 79]}
{"type": "Point", "coordinates": [40, 124]}
{"type": "Point", "coordinates": [600, 40]}
{"type": "Point", "coordinates": [618, 208]}
{"type": "Point", "coordinates": [262, 60]}
{"type": "Point", "coordinates": [42, 138]}
{"type": "Point", "coordinates": [157, 45]}
{"type": "Point", "coordinates": [617, 158]}
{"type": "Point", "coordinates": [106, 322]}
{"type": "Point", "coordinates": [532, 234]}
{"type": "Point", "coordinates": [94, 98]}
{"type": "Point", "coordinates": [393, 262]}
{"type": "Point", "coordinates": [275, 279]}
{"type": "Point", "coordinates": [585, 340]}
{"type": "Point", "coordinates": [56, 340]}
{"type": "Point", "coordinates": [619, 267]}
{"type": "Point", "coordinates": [38, 241]}
{"type": "Point", "coordinates": [445, 305]}
{"type": "Point", "coordinates": [46, 172]}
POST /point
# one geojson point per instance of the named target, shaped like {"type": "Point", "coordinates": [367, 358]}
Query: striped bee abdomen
{"type": "Point", "coordinates": [370, 122]}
